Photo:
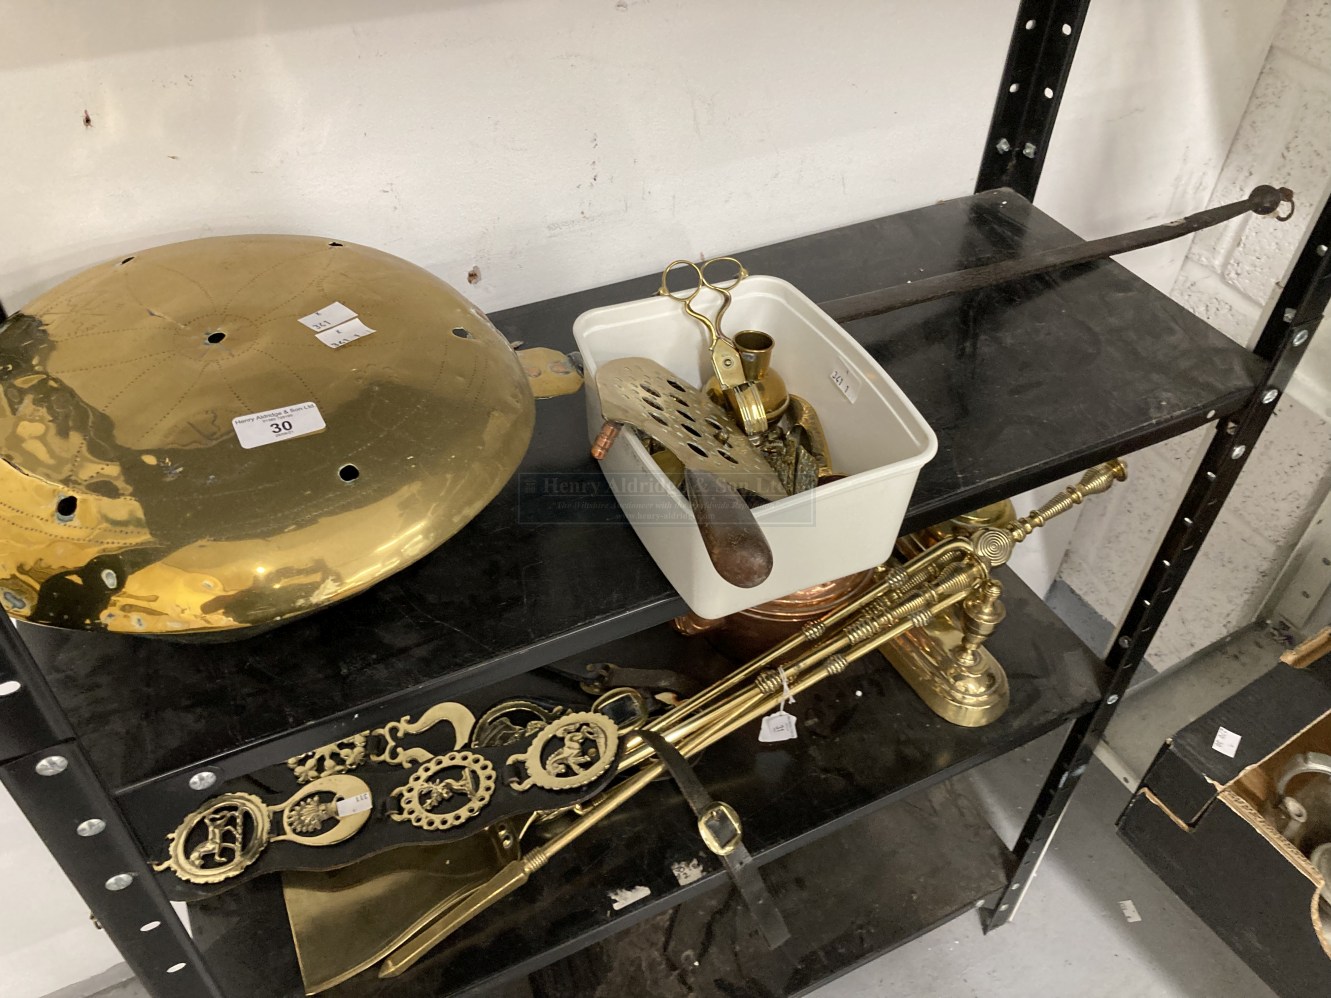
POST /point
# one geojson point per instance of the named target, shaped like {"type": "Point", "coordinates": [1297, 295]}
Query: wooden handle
{"type": "Point", "coordinates": [734, 541]}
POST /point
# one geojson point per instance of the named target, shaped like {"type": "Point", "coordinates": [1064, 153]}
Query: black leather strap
{"type": "Point", "coordinates": [598, 677]}
{"type": "Point", "coordinates": [739, 864]}
{"type": "Point", "coordinates": [650, 679]}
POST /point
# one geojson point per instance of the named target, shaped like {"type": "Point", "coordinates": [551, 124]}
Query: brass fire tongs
{"type": "Point", "coordinates": [907, 596]}
{"type": "Point", "coordinates": [742, 394]}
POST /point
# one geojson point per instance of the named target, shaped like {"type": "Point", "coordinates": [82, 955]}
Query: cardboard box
{"type": "Point", "coordinates": [1204, 822]}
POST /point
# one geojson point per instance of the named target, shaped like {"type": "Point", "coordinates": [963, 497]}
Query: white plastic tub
{"type": "Point", "coordinates": [876, 438]}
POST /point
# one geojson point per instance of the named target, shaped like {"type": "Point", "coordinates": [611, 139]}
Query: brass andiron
{"type": "Point", "coordinates": [945, 661]}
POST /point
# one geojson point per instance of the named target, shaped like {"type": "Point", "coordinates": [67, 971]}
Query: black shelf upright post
{"type": "Point", "coordinates": [1283, 340]}
{"type": "Point", "coordinates": [46, 771]}
{"type": "Point", "coordinates": [1039, 58]}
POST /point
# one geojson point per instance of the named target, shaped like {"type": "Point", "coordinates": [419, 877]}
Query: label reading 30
{"type": "Point", "coordinates": [269, 427]}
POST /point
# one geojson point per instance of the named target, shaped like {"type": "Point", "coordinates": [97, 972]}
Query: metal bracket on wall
{"type": "Point", "coordinates": [1284, 339]}
{"type": "Point", "coordinates": [70, 809]}
{"type": "Point", "coordinates": [1039, 58]}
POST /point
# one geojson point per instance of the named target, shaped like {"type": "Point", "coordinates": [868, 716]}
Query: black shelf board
{"type": "Point", "coordinates": [1022, 383]}
{"type": "Point", "coordinates": [882, 881]}
{"type": "Point", "coordinates": [865, 742]}
{"type": "Point", "coordinates": [848, 898]}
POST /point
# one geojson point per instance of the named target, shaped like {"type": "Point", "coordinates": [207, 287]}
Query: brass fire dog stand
{"type": "Point", "coordinates": [945, 660]}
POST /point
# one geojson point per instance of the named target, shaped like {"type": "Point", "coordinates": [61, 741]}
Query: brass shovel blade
{"type": "Point", "coordinates": [648, 397]}
{"type": "Point", "coordinates": [346, 920]}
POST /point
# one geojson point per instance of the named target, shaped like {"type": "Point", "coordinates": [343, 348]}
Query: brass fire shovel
{"type": "Point", "coordinates": [347, 920]}
{"type": "Point", "coordinates": [717, 459]}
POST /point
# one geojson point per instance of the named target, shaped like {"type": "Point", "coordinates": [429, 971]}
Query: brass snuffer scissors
{"type": "Point", "coordinates": [744, 395]}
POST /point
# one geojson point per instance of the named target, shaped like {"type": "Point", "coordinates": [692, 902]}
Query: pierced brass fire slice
{"type": "Point", "coordinates": [643, 394]}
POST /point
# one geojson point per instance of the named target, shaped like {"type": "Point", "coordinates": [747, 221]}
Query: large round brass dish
{"type": "Point", "coordinates": [127, 502]}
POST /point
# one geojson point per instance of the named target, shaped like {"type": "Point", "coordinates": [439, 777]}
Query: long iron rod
{"type": "Point", "coordinates": [1263, 200]}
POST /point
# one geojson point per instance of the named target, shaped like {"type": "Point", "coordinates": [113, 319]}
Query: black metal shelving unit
{"type": "Point", "coordinates": [1023, 384]}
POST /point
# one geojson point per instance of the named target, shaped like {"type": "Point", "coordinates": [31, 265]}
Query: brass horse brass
{"type": "Point", "coordinates": [226, 834]}
{"type": "Point", "coordinates": [131, 504]}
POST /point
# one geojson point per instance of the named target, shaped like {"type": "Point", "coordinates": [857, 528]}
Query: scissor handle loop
{"type": "Point", "coordinates": [686, 295]}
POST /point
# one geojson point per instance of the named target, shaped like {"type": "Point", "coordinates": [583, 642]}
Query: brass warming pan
{"type": "Point", "coordinates": [189, 448]}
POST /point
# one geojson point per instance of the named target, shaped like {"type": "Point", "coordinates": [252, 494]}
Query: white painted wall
{"type": "Point", "coordinates": [1155, 96]}
{"type": "Point", "coordinates": [555, 147]}
{"type": "Point", "coordinates": [560, 146]}
{"type": "Point", "coordinates": [1230, 277]}
{"type": "Point", "coordinates": [1151, 109]}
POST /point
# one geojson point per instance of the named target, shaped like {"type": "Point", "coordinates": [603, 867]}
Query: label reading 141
{"type": "Point", "coordinates": [354, 805]}
{"type": "Point", "coordinates": [328, 317]}
{"type": "Point", "coordinates": [269, 427]}
{"type": "Point", "coordinates": [847, 381]}
{"type": "Point", "coordinates": [341, 335]}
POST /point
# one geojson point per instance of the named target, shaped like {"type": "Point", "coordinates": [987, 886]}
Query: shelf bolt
{"type": "Point", "coordinates": [1124, 642]}
{"type": "Point", "coordinates": [1028, 150]}
{"type": "Point", "coordinates": [1003, 145]}
{"type": "Point", "coordinates": [1289, 314]}
{"type": "Point", "coordinates": [91, 827]}
{"type": "Point", "coordinates": [1112, 698]}
{"type": "Point", "coordinates": [203, 780]}
{"type": "Point", "coordinates": [1301, 337]}
{"type": "Point", "coordinates": [119, 882]}
{"type": "Point", "coordinates": [1321, 249]}
{"type": "Point", "coordinates": [1270, 395]}
{"type": "Point", "coordinates": [1238, 452]}
{"type": "Point", "coordinates": [52, 765]}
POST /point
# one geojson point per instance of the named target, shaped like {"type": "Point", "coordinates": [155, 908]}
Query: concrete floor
{"type": "Point", "coordinates": [1070, 936]}
{"type": "Point", "coordinates": [1167, 701]}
